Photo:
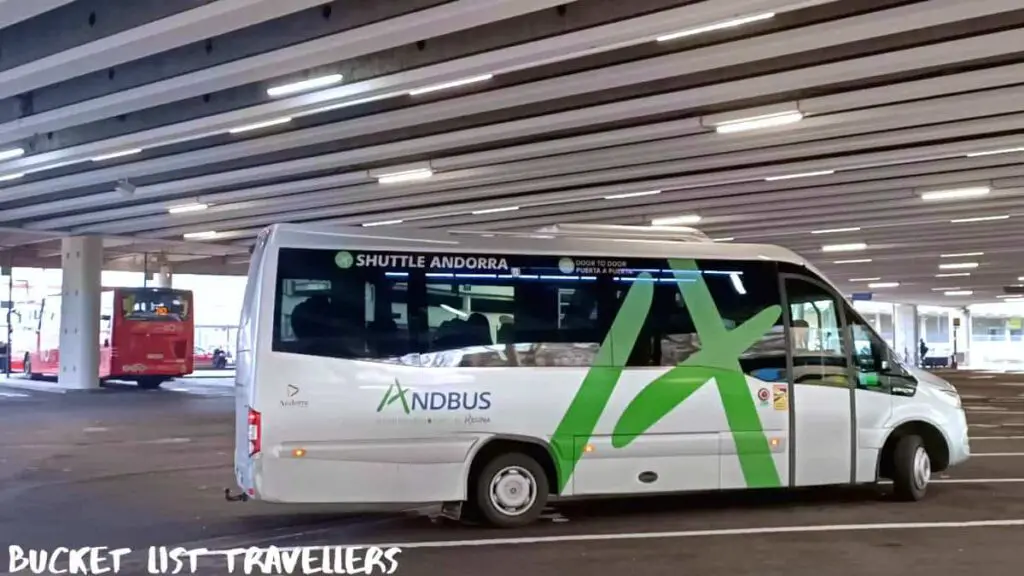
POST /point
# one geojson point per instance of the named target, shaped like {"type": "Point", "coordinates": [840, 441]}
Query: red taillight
{"type": "Point", "coordinates": [255, 432]}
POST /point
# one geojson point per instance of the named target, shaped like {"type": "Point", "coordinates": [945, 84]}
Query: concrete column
{"type": "Point", "coordinates": [906, 332]}
{"type": "Point", "coordinates": [82, 263]}
{"type": "Point", "coordinates": [163, 278]}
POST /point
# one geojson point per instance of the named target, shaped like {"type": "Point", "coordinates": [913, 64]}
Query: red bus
{"type": "Point", "coordinates": [146, 336]}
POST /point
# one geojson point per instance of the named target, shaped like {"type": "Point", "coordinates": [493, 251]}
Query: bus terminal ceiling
{"type": "Point", "coordinates": [185, 128]}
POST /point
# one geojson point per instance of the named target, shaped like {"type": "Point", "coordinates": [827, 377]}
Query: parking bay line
{"type": "Point", "coordinates": [752, 531]}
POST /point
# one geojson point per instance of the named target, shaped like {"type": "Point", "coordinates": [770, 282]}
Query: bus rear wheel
{"type": "Point", "coordinates": [912, 469]}
{"type": "Point", "coordinates": [150, 382]}
{"type": "Point", "coordinates": [510, 491]}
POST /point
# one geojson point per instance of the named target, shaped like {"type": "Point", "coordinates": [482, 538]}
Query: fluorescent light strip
{"type": "Point", "coordinates": [11, 153]}
{"type": "Point", "coordinates": [756, 122]}
{"type": "Point", "coordinates": [1014, 300]}
{"type": "Point", "coordinates": [121, 154]}
{"type": "Point", "coordinates": [948, 288]}
{"type": "Point", "coordinates": [884, 285]}
{"type": "Point", "coordinates": [835, 230]}
{"type": "Point", "coordinates": [311, 84]}
{"type": "Point", "coordinates": [729, 239]}
{"type": "Point", "coordinates": [956, 193]}
{"type": "Point", "coordinates": [854, 246]}
{"type": "Point", "coordinates": [958, 266]}
{"type": "Point", "coordinates": [259, 125]}
{"type": "Point", "coordinates": [199, 235]}
{"type": "Point", "coordinates": [959, 293]}
{"type": "Point", "coordinates": [382, 223]}
{"type": "Point", "coordinates": [864, 279]}
{"type": "Point", "coordinates": [407, 176]}
{"type": "Point", "coordinates": [803, 175]}
{"type": "Point", "coordinates": [455, 84]}
{"type": "Point", "coordinates": [632, 195]}
{"type": "Point", "coordinates": [672, 220]}
{"type": "Point", "coordinates": [187, 208]}
{"type": "Point", "coordinates": [994, 152]}
{"type": "Point", "coordinates": [961, 255]}
{"type": "Point", "coordinates": [493, 210]}
{"type": "Point", "coordinates": [10, 177]}
{"type": "Point", "coordinates": [980, 219]}
{"type": "Point", "coordinates": [717, 26]}
{"type": "Point", "coordinates": [857, 261]}
{"type": "Point", "coordinates": [953, 275]}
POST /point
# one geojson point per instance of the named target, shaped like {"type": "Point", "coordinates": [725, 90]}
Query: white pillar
{"type": "Point", "coordinates": [163, 278]}
{"type": "Point", "coordinates": [82, 263]}
{"type": "Point", "coordinates": [906, 332]}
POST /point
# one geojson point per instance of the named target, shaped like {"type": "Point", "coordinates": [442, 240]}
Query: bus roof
{"type": "Point", "coordinates": [540, 242]}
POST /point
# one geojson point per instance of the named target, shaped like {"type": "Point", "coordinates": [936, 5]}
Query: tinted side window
{"type": "Point", "coordinates": [730, 292]}
{"type": "Point", "coordinates": [441, 310]}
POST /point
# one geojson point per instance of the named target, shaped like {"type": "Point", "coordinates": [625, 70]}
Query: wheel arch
{"type": "Point", "coordinates": [935, 443]}
{"type": "Point", "coordinates": [492, 446]}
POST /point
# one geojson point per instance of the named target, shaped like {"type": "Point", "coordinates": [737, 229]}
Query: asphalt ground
{"type": "Point", "coordinates": [125, 467]}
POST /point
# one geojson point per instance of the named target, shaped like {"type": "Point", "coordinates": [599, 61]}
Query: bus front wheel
{"type": "Point", "coordinates": [150, 382]}
{"type": "Point", "coordinates": [912, 468]}
{"type": "Point", "coordinates": [511, 490]}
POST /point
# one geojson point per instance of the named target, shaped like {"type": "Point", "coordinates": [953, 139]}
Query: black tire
{"type": "Point", "coordinates": [911, 468]}
{"type": "Point", "coordinates": [520, 472]}
{"type": "Point", "coordinates": [150, 382]}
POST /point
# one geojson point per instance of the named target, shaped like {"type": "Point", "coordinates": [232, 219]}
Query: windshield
{"type": "Point", "coordinates": [156, 304]}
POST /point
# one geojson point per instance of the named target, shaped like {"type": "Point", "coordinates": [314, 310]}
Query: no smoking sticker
{"type": "Point", "coordinates": [763, 396]}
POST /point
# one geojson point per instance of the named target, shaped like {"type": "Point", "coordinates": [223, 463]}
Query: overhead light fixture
{"type": "Point", "coordinates": [835, 230]}
{"type": "Point", "coordinates": [980, 219]}
{"type": "Point", "coordinates": [455, 84]}
{"type": "Point", "coordinates": [11, 153]}
{"type": "Point", "coordinates": [953, 275]}
{"type": "Point", "coordinates": [196, 207]}
{"type": "Point", "coordinates": [884, 285]}
{"type": "Point", "coordinates": [675, 220]}
{"type": "Point", "coordinates": [864, 279]}
{"type": "Point", "coordinates": [994, 152]}
{"type": "Point", "coordinates": [493, 210]}
{"type": "Point", "coordinates": [200, 235]}
{"type": "Point", "coordinates": [851, 247]}
{"type": "Point", "coordinates": [757, 122]}
{"type": "Point", "coordinates": [945, 289]}
{"type": "Point", "coordinates": [956, 193]}
{"type": "Point", "coordinates": [1014, 300]}
{"type": "Point", "coordinates": [382, 223]}
{"type": "Point", "coordinates": [405, 176]}
{"type": "Point", "coordinates": [856, 261]}
{"type": "Point", "coordinates": [959, 292]}
{"type": "Point", "coordinates": [10, 177]}
{"type": "Point", "coordinates": [729, 239]}
{"type": "Point", "coordinates": [735, 22]}
{"type": "Point", "coordinates": [1020, 279]}
{"type": "Point", "coordinates": [961, 255]}
{"type": "Point", "coordinates": [958, 266]}
{"type": "Point", "coordinates": [632, 195]}
{"type": "Point", "coordinates": [801, 175]}
{"type": "Point", "coordinates": [121, 154]}
{"type": "Point", "coordinates": [259, 125]}
{"type": "Point", "coordinates": [311, 84]}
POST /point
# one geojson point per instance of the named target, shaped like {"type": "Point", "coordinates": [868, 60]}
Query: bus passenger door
{"type": "Point", "coordinates": [822, 402]}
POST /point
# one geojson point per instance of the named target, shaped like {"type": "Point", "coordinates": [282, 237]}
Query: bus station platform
{"type": "Point", "coordinates": [149, 469]}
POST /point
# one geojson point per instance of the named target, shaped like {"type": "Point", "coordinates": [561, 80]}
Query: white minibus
{"type": "Point", "coordinates": [495, 372]}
